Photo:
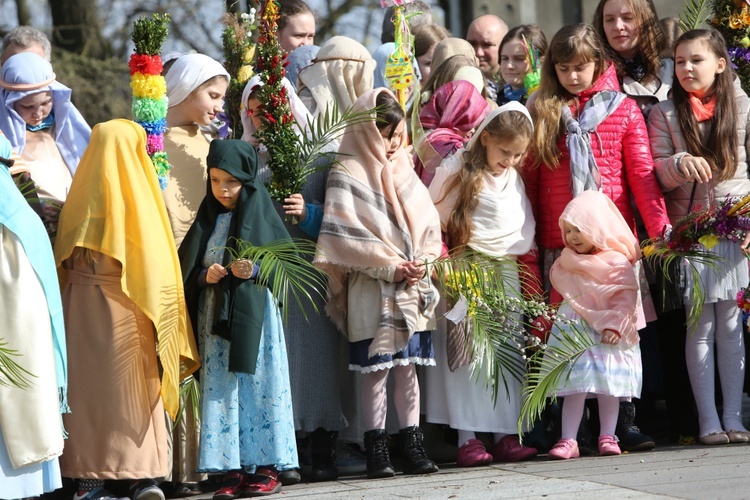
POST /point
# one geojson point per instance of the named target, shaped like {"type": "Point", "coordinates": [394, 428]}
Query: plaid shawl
{"type": "Point", "coordinates": [377, 214]}
{"type": "Point", "coordinates": [584, 173]}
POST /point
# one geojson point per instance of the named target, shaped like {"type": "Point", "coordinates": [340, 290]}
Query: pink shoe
{"type": "Point", "coordinates": [564, 449]}
{"type": "Point", "coordinates": [510, 449]}
{"type": "Point", "coordinates": [473, 454]}
{"type": "Point", "coordinates": [608, 445]}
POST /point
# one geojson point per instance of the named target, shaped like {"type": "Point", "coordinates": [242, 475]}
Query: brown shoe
{"type": "Point", "coordinates": [738, 436]}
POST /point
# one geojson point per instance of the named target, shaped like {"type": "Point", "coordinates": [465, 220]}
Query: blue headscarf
{"type": "Point", "coordinates": [25, 74]}
{"type": "Point", "coordinates": [299, 59]}
{"type": "Point", "coordinates": [20, 219]}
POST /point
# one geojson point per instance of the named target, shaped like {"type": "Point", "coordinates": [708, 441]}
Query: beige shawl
{"type": "Point", "coordinates": [377, 214]}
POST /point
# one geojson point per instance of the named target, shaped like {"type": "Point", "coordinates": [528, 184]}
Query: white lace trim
{"type": "Point", "coordinates": [395, 362]}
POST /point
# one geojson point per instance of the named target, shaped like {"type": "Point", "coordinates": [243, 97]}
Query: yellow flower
{"type": "Point", "coordinates": [245, 73]}
{"type": "Point", "coordinates": [153, 86]}
{"type": "Point", "coordinates": [247, 57]}
{"type": "Point", "coordinates": [649, 250]}
{"type": "Point", "coordinates": [735, 22]}
{"type": "Point", "coordinates": [709, 241]}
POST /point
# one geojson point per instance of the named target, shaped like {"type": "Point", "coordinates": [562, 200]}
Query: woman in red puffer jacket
{"type": "Point", "coordinates": [601, 142]}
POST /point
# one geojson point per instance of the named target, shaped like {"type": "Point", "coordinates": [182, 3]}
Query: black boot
{"type": "Point", "coordinates": [323, 451]}
{"type": "Point", "coordinates": [586, 443]}
{"type": "Point", "coordinates": [378, 462]}
{"type": "Point", "coordinates": [415, 458]}
{"type": "Point", "coordinates": [630, 436]}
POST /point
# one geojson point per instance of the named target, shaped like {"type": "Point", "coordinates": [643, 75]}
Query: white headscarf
{"type": "Point", "coordinates": [511, 106]}
{"type": "Point", "coordinates": [299, 111]}
{"type": "Point", "coordinates": [342, 71]}
{"type": "Point", "coordinates": [25, 74]}
{"type": "Point", "coordinates": [188, 73]}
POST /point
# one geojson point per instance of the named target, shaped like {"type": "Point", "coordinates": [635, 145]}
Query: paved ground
{"type": "Point", "coordinates": [693, 472]}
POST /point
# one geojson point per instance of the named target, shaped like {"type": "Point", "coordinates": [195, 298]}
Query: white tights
{"type": "Point", "coordinates": [719, 325]}
{"type": "Point", "coordinates": [405, 397]}
{"type": "Point", "coordinates": [572, 411]}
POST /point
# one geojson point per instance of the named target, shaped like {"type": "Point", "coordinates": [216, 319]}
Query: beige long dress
{"type": "Point", "coordinates": [116, 425]}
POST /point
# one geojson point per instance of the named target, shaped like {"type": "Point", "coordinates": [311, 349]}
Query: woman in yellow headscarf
{"type": "Point", "coordinates": [122, 296]}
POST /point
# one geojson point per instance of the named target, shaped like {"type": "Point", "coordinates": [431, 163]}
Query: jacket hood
{"type": "Point", "coordinates": [607, 81]}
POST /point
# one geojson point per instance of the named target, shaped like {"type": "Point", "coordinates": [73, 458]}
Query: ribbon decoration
{"type": "Point", "coordinates": [399, 68]}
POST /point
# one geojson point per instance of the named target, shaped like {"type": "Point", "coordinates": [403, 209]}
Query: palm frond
{"type": "Point", "coordinates": [550, 368]}
{"type": "Point", "coordinates": [190, 398]}
{"type": "Point", "coordinates": [11, 373]}
{"type": "Point", "coordinates": [694, 14]}
{"type": "Point", "coordinates": [284, 269]}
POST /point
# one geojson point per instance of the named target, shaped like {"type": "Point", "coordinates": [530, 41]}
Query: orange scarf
{"type": "Point", "coordinates": [703, 111]}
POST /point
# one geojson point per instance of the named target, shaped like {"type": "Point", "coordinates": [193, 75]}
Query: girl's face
{"type": "Point", "coordinates": [34, 108]}
{"type": "Point", "coordinates": [620, 27]}
{"type": "Point", "coordinates": [207, 102]}
{"type": "Point", "coordinates": [225, 188]}
{"type": "Point", "coordinates": [299, 31]}
{"type": "Point", "coordinates": [394, 143]}
{"type": "Point", "coordinates": [254, 111]}
{"type": "Point", "coordinates": [576, 76]}
{"type": "Point", "coordinates": [575, 239]}
{"type": "Point", "coordinates": [696, 67]}
{"type": "Point", "coordinates": [514, 63]}
{"type": "Point", "coordinates": [503, 154]}
{"type": "Point", "coordinates": [424, 62]}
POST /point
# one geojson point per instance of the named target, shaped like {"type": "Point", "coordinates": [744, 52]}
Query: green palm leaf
{"type": "Point", "coordinates": [694, 14]}
{"type": "Point", "coordinates": [284, 269]}
{"type": "Point", "coordinates": [190, 399]}
{"type": "Point", "coordinates": [11, 373]}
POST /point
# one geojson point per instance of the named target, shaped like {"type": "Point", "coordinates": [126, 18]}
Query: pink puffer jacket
{"type": "Point", "coordinates": [621, 148]}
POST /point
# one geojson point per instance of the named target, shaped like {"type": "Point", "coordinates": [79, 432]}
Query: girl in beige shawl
{"type": "Point", "coordinates": [595, 276]}
{"type": "Point", "coordinates": [379, 226]}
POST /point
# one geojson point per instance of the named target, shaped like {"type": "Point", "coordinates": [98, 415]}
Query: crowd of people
{"type": "Point", "coordinates": [557, 156]}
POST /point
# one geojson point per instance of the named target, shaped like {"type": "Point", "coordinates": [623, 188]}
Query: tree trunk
{"type": "Point", "coordinates": [24, 16]}
{"type": "Point", "coordinates": [76, 28]}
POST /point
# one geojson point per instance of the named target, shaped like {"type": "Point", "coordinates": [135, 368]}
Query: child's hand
{"type": "Point", "coordinates": [242, 268]}
{"type": "Point", "coordinates": [610, 337]}
{"type": "Point", "coordinates": [295, 206]}
{"type": "Point", "coordinates": [400, 273]}
{"type": "Point", "coordinates": [695, 168]}
{"type": "Point", "coordinates": [215, 273]}
{"type": "Point", "coordinates": [746, 243]}
{"type": "Point", "coordinates": [414, 271]}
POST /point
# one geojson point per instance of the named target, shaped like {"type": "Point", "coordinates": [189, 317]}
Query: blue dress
{"type": "Point", "coordinates": [246, 420]}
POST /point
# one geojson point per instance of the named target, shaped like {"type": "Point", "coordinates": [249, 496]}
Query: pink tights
{"type": "Point", "coordinates": [405, 397]}
{"type": "Point", "coordinates": [572, 411]}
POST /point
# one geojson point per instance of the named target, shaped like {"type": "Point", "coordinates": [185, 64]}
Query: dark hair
{"type": "Point", "coordinates": [426, 36]}
{"type": "Point", "coordinates": [650, 37]}
{"type": "Point", "coordinates": [289, 8]}
{"type": "Point", "coordinates": [670, 27]}
{"type": "Point", "coordinates": [533, 35]}
{"type": "Point", "coordinates": [423, 15]}
{"type": "Point", "coordinates": [720, 150]}
{"type": "Point", "coordinates": [389, 112]}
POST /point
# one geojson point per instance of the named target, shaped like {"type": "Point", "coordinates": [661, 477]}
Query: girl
{"type": "Point", "coordinates": [596, 277]}
{"type": "Point", "coordinates": [122, 297]}
{"type": "Point", "coordinates": [480, 197]}
{"type": "Point", "coordinates": [700, 159]}
{"type": "Point", "coordinates": [296, 25]}
{"type": "Point", "coordinates": [311, 338]}
{"type": "Point", "coordinates": [31, 435]}
{"type": "Point", "coordinates": [247, 429]}
{"type": "Point", "coordinates": [48, 132]}
{"type": "Point", "coordinates": [515, 63]}
{"type": "Point", "coordinates": [299, 59]}
{"type": "Point", "coordinates": [448, 120]}
{"type": "Point", "coordinates": [600, 145]}
{"type": "Point", "coordinates": [426, 37]}
{"type": "Point", "coordinates": [634, 41]}
{"type": "Point", "coordinates": [196, 85]}
{"type": "Point", "coordinates": [378, 293]}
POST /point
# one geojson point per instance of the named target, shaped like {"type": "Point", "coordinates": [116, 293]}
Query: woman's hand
{"type": "Point", "coordinates": [242, 268]}
{"type": "Point", "coordinates": [215, 273]}
{"type": "Point", "coordinates": [695, 168]}
{"type": "Point", "coordinates": [295, 206]}
{"type": "Point", "coordinates": [610, 337]}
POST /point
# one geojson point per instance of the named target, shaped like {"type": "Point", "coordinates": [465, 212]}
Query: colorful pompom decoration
{"type": "Point", "coordinates": [150, 88]}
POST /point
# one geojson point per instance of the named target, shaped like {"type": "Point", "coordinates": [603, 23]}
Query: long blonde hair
{"type": "Point", "coordinates": [507, 126]}
{"type": "Point", "coordinates": [574, 42]}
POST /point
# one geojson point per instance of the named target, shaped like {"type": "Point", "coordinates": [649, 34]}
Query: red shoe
{"type": "Point", "coordinates": [510, 449]}
{"type": "Point", "coordinates": [232, 485]}
{"type": "Point", "coordinates": [264, 482]}
{"type": "Point", "coordinates": [608, 445]}
{"type": "Point", "coordinates": [473, 454]}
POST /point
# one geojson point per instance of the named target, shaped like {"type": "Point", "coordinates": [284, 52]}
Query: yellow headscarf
{"type": "Point", "coordinates": [115, 207]}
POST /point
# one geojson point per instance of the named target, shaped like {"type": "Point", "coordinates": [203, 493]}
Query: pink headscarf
{"type": "Point", "coordinates": [455, 109]}
{"type": "Point", "coordinates": [602, 287]}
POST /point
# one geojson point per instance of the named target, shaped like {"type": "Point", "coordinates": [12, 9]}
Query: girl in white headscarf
{"type": "Point", "coordinates": [44, 127]}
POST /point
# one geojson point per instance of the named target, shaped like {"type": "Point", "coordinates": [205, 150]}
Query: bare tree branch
{"type": "Point", "coordinates": [24, 16]}
{"type": "Point", "coordinates": [325, 28]}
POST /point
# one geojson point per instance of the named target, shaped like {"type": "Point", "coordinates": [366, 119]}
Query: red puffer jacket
{"type": "Point", "coordinates": [621, 148]}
